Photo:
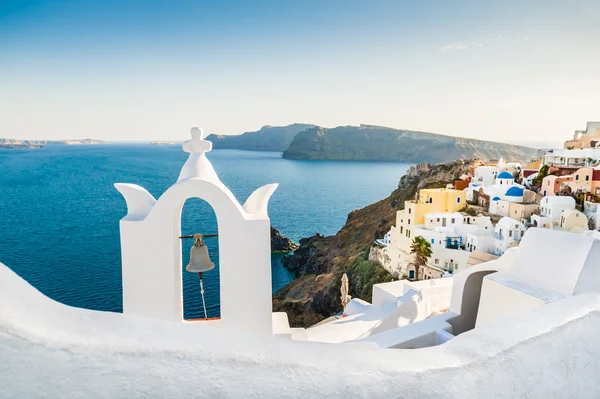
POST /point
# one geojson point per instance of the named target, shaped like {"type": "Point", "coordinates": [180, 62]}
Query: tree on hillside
{"type": "Point", "coordinates": [421, 248]}
{"type": "Point", "coordinates": [537, 181]}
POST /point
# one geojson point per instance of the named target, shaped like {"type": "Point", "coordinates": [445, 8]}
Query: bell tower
{"type": "Point", "coordinates": [151, 250]}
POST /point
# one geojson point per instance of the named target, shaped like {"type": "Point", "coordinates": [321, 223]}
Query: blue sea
{"type": "Point", "coordinates": [59, 211]}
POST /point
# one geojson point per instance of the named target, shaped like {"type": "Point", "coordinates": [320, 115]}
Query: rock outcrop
{"type": "Point", "coordinates": [280, 243]}
{"type": "Point", "coordinates": [320, 261]}
{"type": "Point", "coordinates": [268, 138]}
{"type": "Point", "coordinates": [375, 143]}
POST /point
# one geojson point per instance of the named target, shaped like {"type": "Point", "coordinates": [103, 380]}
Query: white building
{"type": "Point", "coordinates": [575, 158]}
{"type": "Point", "coordinates": [501, 192]}
{"type": "Point", "coordinates": [504, 191]}
{"type": "Point", "coordinates": [485, 175]}
{"type": "Point", "coordinates": [447, 233]}
{"type": "Point", "coordinates": [481, 242]}
{"type": "Point", "coordinates": [507, 233]}
{"type": "Point", "coordinates": [385, 241]}
{"type": "Point", "coordinates": [551, 208]}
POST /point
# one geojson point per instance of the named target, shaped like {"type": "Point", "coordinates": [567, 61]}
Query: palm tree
{"type": "Point", "coordinates": [421, 248]}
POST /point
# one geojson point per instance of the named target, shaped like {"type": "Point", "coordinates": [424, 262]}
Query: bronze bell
{"type": "Point", "coordinates": [199, 259]}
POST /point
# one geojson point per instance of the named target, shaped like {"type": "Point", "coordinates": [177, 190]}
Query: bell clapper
{"type": "Point", "coordinates": [202, 293]}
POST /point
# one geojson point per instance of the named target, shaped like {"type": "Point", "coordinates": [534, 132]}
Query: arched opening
{"type": "Point", "coordinates": [198, 217]}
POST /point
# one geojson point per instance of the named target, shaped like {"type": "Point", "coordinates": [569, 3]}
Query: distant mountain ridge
{"type": "Point", "coordinates": [17, 143]}
{"type": "Point", "coordinates": [376, 143]}
{"type": "Point", "coordinates": [268, 138]}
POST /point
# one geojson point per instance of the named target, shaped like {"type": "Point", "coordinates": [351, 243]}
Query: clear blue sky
{"type": "Point", "coordinates": [143, 70]}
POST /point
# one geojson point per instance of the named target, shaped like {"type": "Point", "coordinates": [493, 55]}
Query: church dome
{"type": "Point", "coordinates": [515, 192]}
{"type": "Point", "coordinates": [496, 199]}
{"type": "Point", "coordinates": [505, 175]}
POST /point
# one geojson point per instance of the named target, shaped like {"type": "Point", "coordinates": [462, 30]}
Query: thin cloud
{"type": "Point", "coordinates": [456, 47]}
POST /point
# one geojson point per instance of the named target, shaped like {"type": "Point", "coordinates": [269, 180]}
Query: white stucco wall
{"type": "Point", "coordinates": [549, 351]}
{"type": "Point", "coordinates": [501, 297]}
{"type": "Point", "coordinates": [71, 353]}
{"type": "Point", "coordinates": [562, 253]}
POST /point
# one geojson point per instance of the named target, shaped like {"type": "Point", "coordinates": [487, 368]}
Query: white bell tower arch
{"type": "Point", "coordinates": [151, 250]}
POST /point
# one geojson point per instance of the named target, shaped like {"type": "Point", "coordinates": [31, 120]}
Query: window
{"type": "Point", "coordinates": [401, 229]}
{"type": "Point", "coordinates": [587, 178]}
{"type": "Point", "coordinates": [411, 274]}
{"type": "Point", "coordinates": [438, 219]}
{"type": "Point", "coordinates": [510, 233]}
{"type": "Point", "coordinates": [433, 240]}
{"type": "Point", "coordinates": [437, 261]}
{"type": "Point", "coordinates": [452, 220]}
{"type": "Point", "coordinates": [458, 200]}
{"type": "Point", "coordinates": [576, 177]}
{"type": "Point", "coordinates": [430, 200]}
{"type": "Point", "coordinates": [408, 221]}
{"type": "Point", "coordinates": [409, 210]}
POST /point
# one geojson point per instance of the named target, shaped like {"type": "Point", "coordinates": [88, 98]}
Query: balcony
{"type": "Point", "coordinates": [453, 243]}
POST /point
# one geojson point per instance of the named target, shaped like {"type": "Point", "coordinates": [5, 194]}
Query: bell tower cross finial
{"type": "Point", "coordinates": [197, 165]}
{"type": "Point", "coordinates": [197, 144]}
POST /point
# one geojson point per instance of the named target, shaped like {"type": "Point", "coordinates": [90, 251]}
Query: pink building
{"type": "Point", "coordinates": [551, 184]}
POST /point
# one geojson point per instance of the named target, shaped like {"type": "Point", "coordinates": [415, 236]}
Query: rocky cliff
{"type": "Point", "coordinates": [280, 243]}
{"type": "Point", "coordinates": [374, 143]}
{"type": "Point", "coordinates": [268, 138]}
{"type": "Point", "coordinates": [320, 261]}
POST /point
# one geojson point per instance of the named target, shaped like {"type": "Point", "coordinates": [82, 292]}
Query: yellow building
{"type": "Point", "coordinates": [582, 180]}
{"type": "Point", "coordinates": [436, 200]}
{"type": "Point", "coordinates": [573, 220]}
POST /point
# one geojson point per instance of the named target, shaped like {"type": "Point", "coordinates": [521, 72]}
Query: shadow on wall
{"type": "Point", "coordinates": [470, 303]}
{"type": "Point", "coordinates": [403, 315]}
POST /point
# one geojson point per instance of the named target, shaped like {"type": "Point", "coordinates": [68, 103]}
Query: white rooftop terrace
{"type": "Point", "coordinates": [549, 350]}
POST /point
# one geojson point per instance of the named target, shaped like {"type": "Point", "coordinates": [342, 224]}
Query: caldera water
{"type": "Point", "coordinates": [59, 211]}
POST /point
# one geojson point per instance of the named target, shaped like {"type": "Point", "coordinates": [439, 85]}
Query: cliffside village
{"type": "Point", "coordinates": [489, 209]}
